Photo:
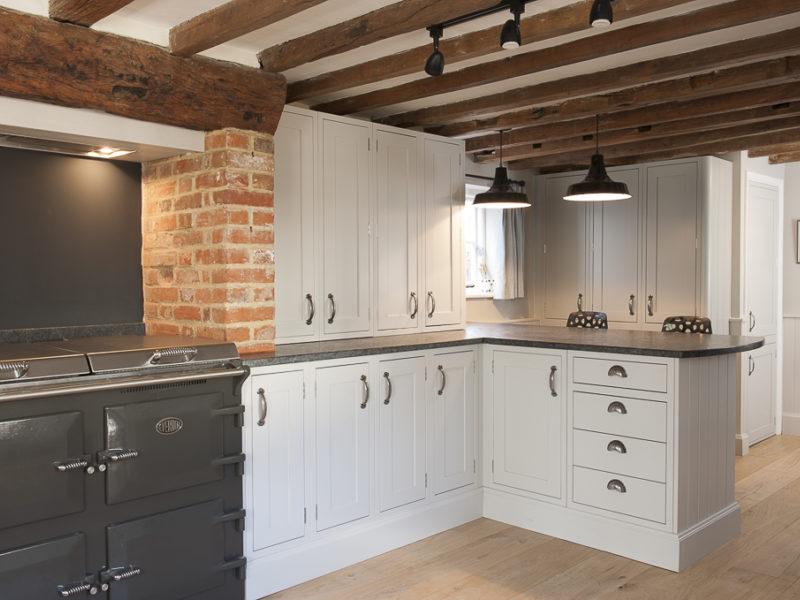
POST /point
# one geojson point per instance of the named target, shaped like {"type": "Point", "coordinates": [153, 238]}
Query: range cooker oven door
{"type": "Point", "coordinates": [165, 445]}
{"type": "Point", "coordinates": [175, 554]}
{"type": "Point", "coordinates": [42, 468]}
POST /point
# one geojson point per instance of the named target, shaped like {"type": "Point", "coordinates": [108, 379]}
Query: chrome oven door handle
{"type": "Point", "coordinates": [311, 309]}
{"type": "Point", "coordinates": [262, 407]}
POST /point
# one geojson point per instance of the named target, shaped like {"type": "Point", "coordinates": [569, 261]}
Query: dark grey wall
{"type": "Point", "coordinates": [70, 240]}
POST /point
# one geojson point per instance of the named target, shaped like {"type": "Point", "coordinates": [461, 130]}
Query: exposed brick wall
{"type": "Point", "coordinates": [207, 241]}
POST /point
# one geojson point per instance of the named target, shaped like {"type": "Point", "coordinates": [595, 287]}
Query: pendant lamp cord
{"type": "Point", "coordinates": [501, 147]}
{"type": "Point", "coordinates": [597, 134]}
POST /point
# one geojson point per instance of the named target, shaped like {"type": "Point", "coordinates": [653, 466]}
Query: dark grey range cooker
{"type": "Point", "coordinates": [120, 469]}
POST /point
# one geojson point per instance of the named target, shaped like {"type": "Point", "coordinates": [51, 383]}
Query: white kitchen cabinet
{"type": "Point", "coordinates": [345, 191]}
{"type": "Point", "coordinates": [397, 216]}
{"type": "Point", "coordinates": [759, 392]}
{"type": "Point", "coordinates": [278, 458]}
{"type": "Point", "coordinates": [296, 290]}
{"type": "Point", "coordinates": [443, 195]}
{"type": "Point", "coordinates": [451, 392]}
{"type": "Point", "coordinates": [343, 400]}
{"type": "Point", "coordinates": [401, 461]}
{"type": "Point", "coordinates": [528, 411]}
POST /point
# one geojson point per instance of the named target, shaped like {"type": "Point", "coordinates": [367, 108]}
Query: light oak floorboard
{"type": "Point", "coordinates": [487, 560]}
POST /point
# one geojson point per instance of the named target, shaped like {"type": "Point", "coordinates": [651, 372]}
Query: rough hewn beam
{"type": "Point", "coordinates": [638, 74]}
{"type": "Point", "coordinates": [53, 62]}
{"type": "Point", "coordinates": [229, 21]}
{"type": "Point", "coordinates": [772, 148]}
{"type": "Point", "coordinates": [380, 24]}
{"type": "Point", "coordinates": [84, 12]}
{"type": "Point", "coordinates": [784, 157]}
{"type": "Point", "coordinates": [536, 28]}
{"type": "Point", "coordinates": [729, 14]}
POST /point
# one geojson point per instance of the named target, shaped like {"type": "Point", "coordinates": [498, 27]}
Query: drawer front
{"type": "Point", "coordinates": [621, 374]}
{"type": "Point", "coordinates": [640, 498]}
{"type": "Point", "coordinates": [645, 419]}
{"type": "Point", "coordinates": [620, 454]}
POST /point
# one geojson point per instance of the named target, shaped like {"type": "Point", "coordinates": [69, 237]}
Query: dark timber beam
{"type": "Point", "coordinates": [84, 12]}
{"type": "Point", "coordinates": [784, 157]}
{"type": "Point", "coordinates": [773, 148]}
{"type": "Point", "coordinates": [63, 64]}
{"type": "Point", "coordinates": [389, 21]}
{"type": "Point", "coordinates": [229, 21]}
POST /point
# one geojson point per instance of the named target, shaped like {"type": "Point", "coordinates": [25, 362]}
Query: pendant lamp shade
{"type": "Point", "coordinates": [597, 185]}
{"type": "Point", "coordinates": [501, 194]}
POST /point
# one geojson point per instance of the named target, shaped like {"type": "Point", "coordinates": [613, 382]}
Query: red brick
{"type": "Point", "coordinates": [264, 256]}
{"type": "Point", "coordinates": [190, 164]}
{"type": "Point", "coordinates": [227, 139]}
{"type": "Point", "coordinates": [184, 221]}
{"type": "Point", "coordinates": [184, 276]}
{"type": "Point", "coordinates": [187, 313]}
{"type": "Point", "coordinates": [264, 333]}
{"type": "Point", "coordinates": [221, 256]}
{"type": "Point", "coordinates": [162, 190]}
{"type": "Point", "coordinates": [185, 185]}
{"type": "Point", "coordinates": [214, 179]}
{"type": "Point", "coordinates": [237, 334]}
{"type": "Point", "coordinates": [243, 197]}
{"type": "Point", "coordinates": [240, 276]}
{"type": "Point", "coordinates": [264, 294]}
{"type": "Point", "coordinates": [238, 179]}
{"type": "Point", "coordinates": [188, 202]}
{"type": "Point", "coordinates": [150, 310]}
{"type": "Point", "coordinates": [263, 144]}
{"type": "Point", "coordinates": [160, 294]}
{"type": "Point", "coordinates": [243, 235]}
{"type": "Point", "coordinates": [186, 294]}
{"type": "Point", "coordinates": [187, 238]}
{"type": "Point", "coordinates": [214, 333]}
{"type": "Point", "coordinates": [162, 329]}
{"type": "Point", "coordinates": [263, 181]}
{"type": "Point", "coordinates": [255, 348]}
{"type": "Point", "coordinates": [158, 259]}
{"type": "Point", "coordinates": [221, 216]}
{"type": "Point", "coordinates": [165, 170]}
{"type": "Point", "coordinates": [263, 217]}
{"type": "Point", "coordinates": [243, 314]}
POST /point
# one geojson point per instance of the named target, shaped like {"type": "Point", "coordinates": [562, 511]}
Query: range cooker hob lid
{"type": "Point", "coordinates": [40, 360]}
{"type": "Point", "coordinates": [126, 353]}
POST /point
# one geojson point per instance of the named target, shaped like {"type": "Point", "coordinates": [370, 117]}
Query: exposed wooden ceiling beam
{"type": "Point", "coordinates": [380, 24]}
{"type": "Point", "coordinates": [642, 117]}
{"type": "Point", "coordinates": [639, 74]}
{"type": "Point", "coordinates": [728, 139]}
{"type": "Point", "coordinates": [722, 16]}
{"type": "Point", "coordinates": [785, 157]}
{"type": "Point", "coordinates": [762, 115]}
{"type": "Point", "coordinates": [84, 12]}
{"type": "Point", "coordinates": [536, 28]}
{"type": "Point", "coordinates": [48, 61]}
{"type": "Point", "coordinates": [772, 148]}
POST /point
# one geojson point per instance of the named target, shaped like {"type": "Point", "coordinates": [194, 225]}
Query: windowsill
{"type": "Point", "coordinates": [479, 296]}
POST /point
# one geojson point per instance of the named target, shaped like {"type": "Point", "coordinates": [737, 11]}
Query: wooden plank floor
{"type": "Point", "coordinates": [488, 560]}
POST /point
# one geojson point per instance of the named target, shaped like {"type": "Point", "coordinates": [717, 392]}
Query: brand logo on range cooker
{"type": "Point", "coordinates": [169, 425]}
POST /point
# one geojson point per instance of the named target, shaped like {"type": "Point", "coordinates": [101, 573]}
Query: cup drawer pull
{"type": "Point", "coordinates": [617, 371]}
{"type": "Point", "coordinates": [617, 407]}
{"type": "Point", "coordinates": [615, 485]}
{"type": "Point", "coordinates": [617, 446]}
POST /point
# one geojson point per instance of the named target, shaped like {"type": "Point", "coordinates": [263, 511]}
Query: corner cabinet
{"type": "Point", "coordinates": [367, 229]}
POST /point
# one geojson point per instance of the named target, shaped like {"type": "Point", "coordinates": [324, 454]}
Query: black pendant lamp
{"type": "Point", "coordinates": [601, 14]}
{"type": "Point", "coordinates": [434, 66]}
{"type": "Point", "coordinates": [501, 194]}
{"type": "Point", "coordinates": [597, 186]}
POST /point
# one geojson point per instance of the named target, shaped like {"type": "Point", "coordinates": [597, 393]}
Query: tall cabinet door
{"type": "Point", "coordinates": [567, 241]}
{"type": "Point", "coordinates": [618, 252]}
{"type": "Point", "coordinates": [444, 201]}
{"type": "Point", "coordinates": [397, 158]}
{"type": "Point", "coordinates": [401, 436]}
{"type": "Point", "coordinates": [761, 258]}
{"type": "Point", "coordinates": [345, 192]}
{"type": "Point", "coordinates": [759, 393]}
{"type": "Point", "coordinates": [672, 234]}
{"type": "Point", "coordinates": [278, 481]}
{"type": "Point", "coordinates": [342, 444]}
{"type": "Point", "coordinates": [295, 294]}
{"type": "Point", "coordinates": [528, 425]}
{"type": "Point", "coordinates": [452, 393]}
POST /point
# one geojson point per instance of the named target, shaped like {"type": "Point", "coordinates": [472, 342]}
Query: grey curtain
{"type": "Point", "coordinates": [510, 279]}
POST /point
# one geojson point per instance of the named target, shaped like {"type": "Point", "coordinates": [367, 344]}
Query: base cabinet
{"type": "Point", "coordinates": [759, 393]}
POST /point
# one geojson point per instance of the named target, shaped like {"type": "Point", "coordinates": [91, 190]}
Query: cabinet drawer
{"type": "Point", "coordinates": [641, 499]}
{"type": "Point", "coordinates": [645, 419]}
{"type": "Point", "coordinates": [620, 454]}
{"type": "Point", "coordinates": [621, 374]}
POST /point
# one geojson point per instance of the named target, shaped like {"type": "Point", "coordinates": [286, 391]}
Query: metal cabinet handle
{"type": "Point", "coordinates": [552, 381]}
{"type": "Point", "coordinates": [580, 302]}
{"type": "Point", "coordinates": [630, 304]}
{"type": "Point", "coordinates": [13, 369]}
{"type": "Point", "coordinates": [74, 464]}
{"type": "Point", "coordinates": [65, 591]}
{"type": "Point", "coordinates": [650, 305]}
{"type": "Point", "coordinates": [262, 407]}
{"type": "Point", "coordinates": [416, 305]}
{"type": "Point", "coordinates": [444, 379]}
{"type": "Point", "coordinates": [617, 446]}
{"type": "Point", "coordinates": [617, 371]}
{"type": "Point", "coordinates": [333, 309]}
{"type": "Point", "coordinates": [388, 387]}
{"type": "Point", "coordinates": [433, 304]}
{"type": "Point", "coordinates": [311, 309]}
{"type": "Point", "coordinates": [617, 407]}
{"type": "Point", "coordinates": [752, 321]}
{"type": "Point", "coordinates": [751, 365]}
{"type": "Point", "coordinates": [615, 485]}
{"type": "Point", "coordinates": [366, 391]}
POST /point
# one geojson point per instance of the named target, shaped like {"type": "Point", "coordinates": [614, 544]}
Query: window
{"type": "Point", "coordinates": [480, 227]}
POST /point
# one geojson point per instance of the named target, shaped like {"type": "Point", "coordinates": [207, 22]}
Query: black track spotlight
{"type": "Point", "coordinates": [601, 14]}
{"type": "Point", "coordinates": [434, 66]}
{"type": "Point", "coordinates": [510, 38]}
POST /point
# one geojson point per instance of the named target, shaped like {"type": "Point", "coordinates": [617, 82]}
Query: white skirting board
{"type": "Point", "coordinates": [272, 573]}
{"type": "Point", "coordinates": [659, 548]}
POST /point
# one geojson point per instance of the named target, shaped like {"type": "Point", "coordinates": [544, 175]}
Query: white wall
{"type": "Point", "coordinates": [791, 302]}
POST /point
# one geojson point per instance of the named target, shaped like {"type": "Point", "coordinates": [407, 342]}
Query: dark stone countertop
{"type": "Point", "coordinates": [644, 343]}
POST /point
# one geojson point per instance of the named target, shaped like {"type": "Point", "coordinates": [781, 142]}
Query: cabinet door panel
{"type": "Point", "coordinates": [759, 393]}
{"type": "Point", "coordinates": [444, 201]}
{"type": "Point", "coordinates": [345, 225]}
{"type": "Point", "coordinates": [343, 448]}
{"type": "Point", "coordinates": [761, 259]}
{"type": "Point", "coordinates": [453, 397]}
{"type": "Point", "coordinates": [527, 422]}
{"type": "Point", "coordinates": [618, 252]}
{"type": "Point", "coordinates": [397, 219]}
{"type": "Point", "coordinates": [401, 438]}
{"type": "Point", "coordinates": [294, 229]}
{"type": "Point", "coordinates": [672, 232]}
{"type": "Point", "coordinates": [278, 458]}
